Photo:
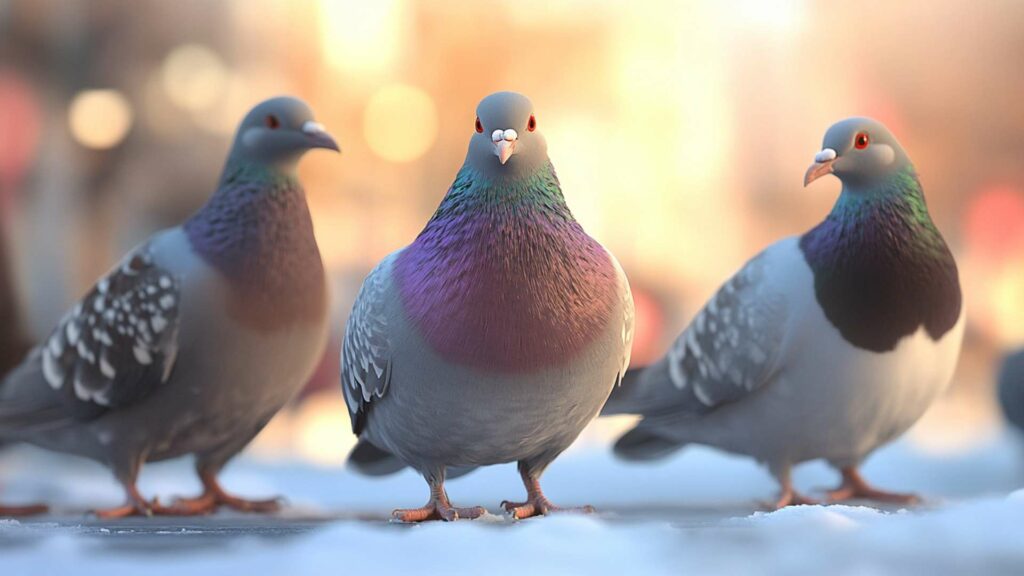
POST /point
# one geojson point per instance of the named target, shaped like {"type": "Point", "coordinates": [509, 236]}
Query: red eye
{"type": "Point", "coordinates": [272, 122]}
{"type": "Point", "coordinates": [532, 124]}
{"type": "Point", "coordinates": [860, 141]}
{"type": "Point", "coordinates": [479, 126]}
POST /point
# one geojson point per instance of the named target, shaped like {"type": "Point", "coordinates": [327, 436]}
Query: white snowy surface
{"type": "Point", "coordinates": [693, 514]}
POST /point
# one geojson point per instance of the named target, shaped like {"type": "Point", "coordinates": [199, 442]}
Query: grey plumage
{"type": "Point", "coordinates": [823, 346]}
{"type": "Point", "coordinates": [489, 273]}
{"type": "Point", "coordinates": [184, 348]}
{"type": "Point", "coordinates": [1011, 388]}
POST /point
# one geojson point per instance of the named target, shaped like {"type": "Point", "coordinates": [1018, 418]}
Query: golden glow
{"type": "Point", "coordinates": [194, 77]}
{"type": "Point", "coordinates": [362, 37]}
{"type": "Point", "coordinates": [99, 118]}
{"type": "Point", "coordinates": [1007, 297]}
{"type": "Point", "coordinates": [323, 429]}
{"type": "Point", "coordinates": [400, 122]}
{"type": "Point", "coordinates": [242, 90]}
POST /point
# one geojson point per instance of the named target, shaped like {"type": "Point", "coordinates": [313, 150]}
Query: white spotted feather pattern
{"type": "Point", "coordinates": [729, 349]}
{"type": "Point", "coordinates": [120, 340]}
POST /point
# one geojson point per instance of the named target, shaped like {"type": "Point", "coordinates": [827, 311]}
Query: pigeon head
{"type": "Point", "coordinates": [278, 132]}
{"type": "Point", "coordinates": [506, 141]}
{"type": "Point", "coordinates": [861, 152]}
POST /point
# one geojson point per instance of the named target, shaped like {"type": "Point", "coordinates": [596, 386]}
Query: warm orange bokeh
{"type": "Point", "coordinates": [680, 130]}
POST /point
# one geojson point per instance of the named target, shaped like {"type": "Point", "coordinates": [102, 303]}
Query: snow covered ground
{"type": "Point", "coordinates": [693, 514]}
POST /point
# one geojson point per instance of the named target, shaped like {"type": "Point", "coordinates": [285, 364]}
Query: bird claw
{"type": "Point", "coordinates": [846, 493]}
{"type": "Point", "coordinates": [789, 498]}
{"type": "Point", "coordinates": [147, 508]}
{"type": "Point", "coordinates": [854, 487]}
{"type": "Point", "coordinates": [267, 506]}
{"type": "Point", "coordinates": [540, 506]}
{"type": "Point", "coordinates": [28, 510]}
{"type": "Point", "coordinates": [209, 502]}
{"type": "Point", "coordinates": [435, 510]}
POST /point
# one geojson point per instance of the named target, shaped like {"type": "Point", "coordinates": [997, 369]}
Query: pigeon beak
{"type": "Point", "coordinates": [317, 137]}
{"type": "Point", "coordinates": [822, 165]}
{"type": "Point", "coordinates": [504, 149]}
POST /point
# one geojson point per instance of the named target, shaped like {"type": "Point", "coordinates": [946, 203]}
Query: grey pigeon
{"type": "Point", "coordinates": [1011, 389]}
{"type": "Point", "coordinates": [198, 337]}
{"type": "Point", "coordinates": [494, 337]}
{"type": "Point", "coordinates": [825, 345]}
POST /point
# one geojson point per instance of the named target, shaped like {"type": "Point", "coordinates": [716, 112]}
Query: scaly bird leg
{"type": "Point", "coordinates": [788, 496]}
{"type": "Point", "coordinates": [437, 508]}
{"type": "Point", "coordinates": [536, 503]}
{"type": "Point", "coordinates": [135, 505]}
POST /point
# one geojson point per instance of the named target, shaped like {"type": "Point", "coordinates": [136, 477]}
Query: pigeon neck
{"type": "Point", "coordinates": [881, 268]}
{"type": "Point", "coordinates": [509, 256]}
{"type": "Point", "coordinates": [257, 231]}
{"type": "Point", "coordinates": [238, 170]}
{"type": "Point", "coordinates": [901, 193]}
{"type": "Point", "coordinates": [476, 191]}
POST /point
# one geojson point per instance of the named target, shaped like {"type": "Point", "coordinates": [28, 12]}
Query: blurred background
{"type": "Point", "coordinates": [680, 131]}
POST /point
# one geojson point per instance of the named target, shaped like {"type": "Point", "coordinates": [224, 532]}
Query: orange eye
{"type": "Point", "coordinates": [532, 124]}
{"type": "Point", "coordinates": [860, 141]}
{"type": "Point", "coordinates": [479, 126]}
{"type": "Point", "coordinates": [272, 122]}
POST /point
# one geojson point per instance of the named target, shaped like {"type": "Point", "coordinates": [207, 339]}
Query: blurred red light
{"type": "Point", "coordinates": [994, 223]}
{"type": "Point", "coordinates": [19, 128]}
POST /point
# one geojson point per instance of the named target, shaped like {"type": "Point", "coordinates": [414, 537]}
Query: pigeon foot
{"type": "Point", "coordinates": [135, 507]}
{"type": "Point", "coordinates": [854, 487]}
{"type": "Point", "coordinates": [539, 505]}
{"type": "Point", "coordinates": [438, 511]}
{"type": "Point", "coordinates": [19, 511]}
{"type": "Point", "coordinates": [790, 497]}
{"type": "Point", "coordinates": [214, 496]}
{"type": "Point", "coordinates": [536, 503]}
{"type": "Point", "coordinates": [438, 508]}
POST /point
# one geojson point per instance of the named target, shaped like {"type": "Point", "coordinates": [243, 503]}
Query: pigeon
{"type": "Point", "coordinates": [494, 337]}
{"type": "Point", "coordinates": [1011, 388]}
{"type": "Point", "coordinates": [197, 337]}
{"type": "Point", "coordinates": [823, 346]}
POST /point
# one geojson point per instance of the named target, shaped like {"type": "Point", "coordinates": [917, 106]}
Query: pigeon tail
{"type": "Point", "coordinates": [641, 444]}
{"type": "Point", "coordinates": [628, 397]}
{"type": "Point", "coordinates": [370, 460]}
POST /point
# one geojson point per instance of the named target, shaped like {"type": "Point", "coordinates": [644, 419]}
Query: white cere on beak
{"type": "Point", "coordinates": [311, 127]}
{"type": "Point", "coordinates": [510, 135]}
{"type": "Point", "coordinates": [497, 135]}
{"type": "Point", "coordinates": [825, 155]}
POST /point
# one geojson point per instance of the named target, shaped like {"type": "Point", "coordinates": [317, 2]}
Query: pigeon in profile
{"type": "Point", "coordinates": [825, 345]}
{"type": "Point", "coordinates": [198, 337]}
{"type": "Point", "coordinates": [1011, 389]}
{"type": "Point", "coordinates": [494, 337]}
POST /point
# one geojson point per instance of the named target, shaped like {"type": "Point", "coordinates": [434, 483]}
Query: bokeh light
{"type": "Point", "coordinates": [995, 223]}
{"type": "Point", "coordinates": [362, 37]}
{"type": "Point", "coordinates": [680, 131]}
{"type": "Point", "coordinates": [19, 127]}
{"type": "Point", "coordinates": [1007, 302]}
{"type": "Point", "coordinates": [99, 119]}
{"type": "Point", "coordinates": [400, 122]}
{"type": "Point", "coordinates": [194, 77]}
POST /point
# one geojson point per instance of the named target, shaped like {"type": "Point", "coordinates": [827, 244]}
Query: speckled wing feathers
{"type": "Point", "coordinates": [120, 341]}
{"type": "Point", "coordinates": [365, 354]}
{"type": "Point", "coordinates": [731, 347]}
